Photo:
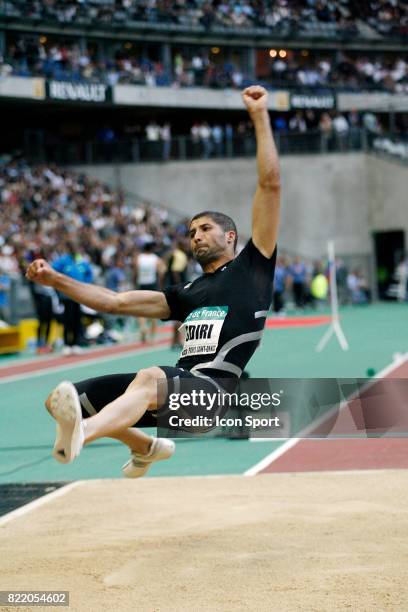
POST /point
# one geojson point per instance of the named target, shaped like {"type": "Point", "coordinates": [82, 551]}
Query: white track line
{"type": "Point", "coordinates": [274, 455]}
{"type": "Point", "coordinates": [36, 503]}
{"type": "Point", "coordinates": [80, 364]}
{"type": "Point", "coordinates": [258, 467]}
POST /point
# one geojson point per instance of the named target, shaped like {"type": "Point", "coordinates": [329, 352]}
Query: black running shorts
{"type": "Point", "coordinates": [96, 393]}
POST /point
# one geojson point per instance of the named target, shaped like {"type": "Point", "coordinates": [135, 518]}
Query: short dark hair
{"type": "Point", "coordinates": [220, 219]}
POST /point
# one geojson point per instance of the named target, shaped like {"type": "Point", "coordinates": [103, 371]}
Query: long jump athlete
{"type": "Point", "coordinates": [224, 311]}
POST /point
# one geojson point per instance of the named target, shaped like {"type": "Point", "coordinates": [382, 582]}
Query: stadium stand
{"type": "Point", "coordinates": [155, 81]}
{"type": "Point", "coordinates": [85, 63]}
{"type": "Point", "coordinates": [322, 18]}
{"type": "Point", "coordinates": [65, 60]}
{"type": "Point", "coordinates": [43, 205]}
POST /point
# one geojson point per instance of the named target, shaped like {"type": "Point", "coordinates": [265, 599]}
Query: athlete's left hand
{"type": "Point", "coordinates": [255, 98]}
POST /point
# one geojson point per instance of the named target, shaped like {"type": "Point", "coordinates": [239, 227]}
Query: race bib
{"type": "Point", "coordinates": [203, 328]}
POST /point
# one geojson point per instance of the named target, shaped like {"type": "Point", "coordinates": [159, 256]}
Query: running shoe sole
{"type": "Point", "coordinates": [65, 408]}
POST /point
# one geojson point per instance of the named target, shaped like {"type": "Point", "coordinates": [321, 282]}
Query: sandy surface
{"type": "Point", "coordinates": [328, 541]}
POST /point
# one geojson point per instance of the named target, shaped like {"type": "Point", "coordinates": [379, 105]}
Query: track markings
{"type": "Point", "coordinates": [290, 443]}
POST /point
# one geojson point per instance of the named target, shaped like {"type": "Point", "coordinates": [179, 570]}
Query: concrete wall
{"type": "Point", "coordinates": [323, 196]}
{"type": "Point", "coordinates": [194, 97]}
{"type": "Point", "coordinates": [333, 196]}
{"type": "Point", "coordinates": [387, 183]}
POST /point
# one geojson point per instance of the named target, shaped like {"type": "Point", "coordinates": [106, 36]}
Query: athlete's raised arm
{"type": "Point", "coordinates": [266, 203]}
{"type": "Point", "coordinates": [151, 304]}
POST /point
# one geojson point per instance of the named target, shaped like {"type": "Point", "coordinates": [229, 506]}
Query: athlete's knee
{"type": "Point", "coordinates": [148, 380]}
{"type": "Point", "coordinates": [149, 376]}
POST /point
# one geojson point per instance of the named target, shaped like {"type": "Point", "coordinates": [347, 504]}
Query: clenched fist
{"type": "Point", "coordinates": [41, 272]}
{"type": "Point", "coordinates": [255, 98]}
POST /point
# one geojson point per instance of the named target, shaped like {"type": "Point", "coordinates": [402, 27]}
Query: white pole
{"type": "Point", "coordinates": [334, 303]}
{"type": "Point", "coordinates": [335, 327]}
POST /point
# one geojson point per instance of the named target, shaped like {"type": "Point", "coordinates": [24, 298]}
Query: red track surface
{"type": "Point", "coordinates": [33, 365]}
{"type": "Point", "coordinates": [346, 454]}
{"type": "Point", "coordinates": [328, 455]}
{"type": "Point", "coordinates": [298, 322]}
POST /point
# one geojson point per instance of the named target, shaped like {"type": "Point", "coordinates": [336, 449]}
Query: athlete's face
{"type": "Point", "coordinates": [209, 241]}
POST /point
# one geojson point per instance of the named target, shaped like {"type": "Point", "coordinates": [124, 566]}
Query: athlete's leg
{"type": "Point", "coordinates": [135, 439]}
{"type": "Point", "coordinates": [71, 405]}
{"type": "Point", "coordinates": [145, 450]}
{"type": "Point", "coordinates": [140, 396]}
{"type": "Point", "coordinates": [127, 409]}
{"type": "Point", "coordinates": [95, 393]}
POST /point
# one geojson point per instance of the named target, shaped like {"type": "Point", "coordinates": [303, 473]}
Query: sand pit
{"type": "Point", "coordinates": [326, 541]}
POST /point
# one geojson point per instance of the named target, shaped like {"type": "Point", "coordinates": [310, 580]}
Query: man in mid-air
{"type": "Point", "coordinates": [224, 313]}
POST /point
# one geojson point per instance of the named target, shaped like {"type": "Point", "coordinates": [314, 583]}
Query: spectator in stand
{"type": "Point", "coordinates": [358, 287]}
{"type": "Point", "coordinates": [179, 68]}
{"type": "Point", "coordinates": [297, 123]}
{"type": "Point", "coordinates": [115, 277]}
{"type": "Point", "coordinates": [242, 132]}
{"type": "Point", "coordinates": [281, 124]}
{"type": "Point", "coordinates": [74, 265]}
{"type": "Point", "coordinates": [341, 129]}
{"type": "Point", "coordinates": [371, 123]}
{"type": "Point", "coordinates": [153, 139]}
{"type": "Point", "coordinates": [298, 274]}
{"type": "Point", "coordinates": [106, 136]}
{"type": "Point", "coordinates": [198, 65]}
{"type": "Point", "coordinates": [218, 138]}
{"type": "Point", "coordinates": [44, 300]}
{"type": "Point", "coordinates": [165, 135]}
{"type": "Point", "coordinates": [341, 278]}
{"type": "Point", "coordinates": [149, 270]}
{"type": "Point", "coordinates": [8, 261]}
{"type": "Point", "coordinates": [195, 139]}
{"type": "Point", "coordinates": [319, 287]}
{"type": "Point", "coordinates": [279, 286]}
{"type": "Point", "coordinates": [177, 270]}
{"type": "Point", "coordinates": [326, 130]}
{"type": "Point", "coordinates": [205, 138]}
{"type": "Point", "coordinates": [5, 284]}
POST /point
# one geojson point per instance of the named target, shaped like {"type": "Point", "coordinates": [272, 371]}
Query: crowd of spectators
{"type": "Point", "coordinates": [218, 139]}
{"type": "Point", "coordinates": [344, 72]}
{"type": "Point", "coordinates": [386, 17]}
{"type": "Point", "coordinates": [28, 56]}
{"type": "Point", "coordinates": [300, 284]}
{"type": "Point", "coordinates": [300, 131]}
{"type": "Point", "coordinates": [76, 221]}
{"type": "Point", "coordinates": [43, 207]}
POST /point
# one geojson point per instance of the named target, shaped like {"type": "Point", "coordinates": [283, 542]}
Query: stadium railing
{"type": "Point", "coordinates": [186, 148]}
